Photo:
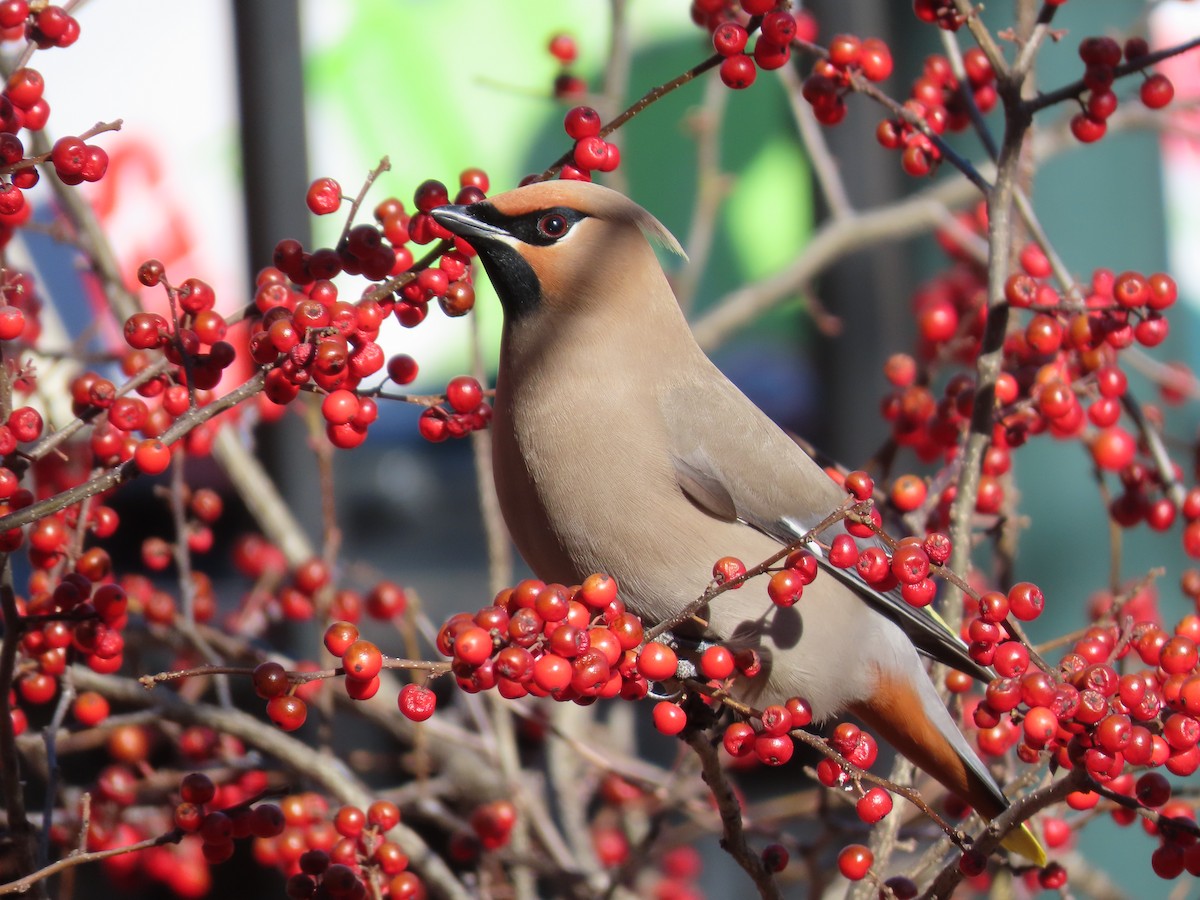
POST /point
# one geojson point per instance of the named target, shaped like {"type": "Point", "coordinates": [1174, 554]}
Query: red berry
{"type": "Point", "coordinates": [844, 50]}
{"type": "Point", "coordinates": [464, 394]}
{"type": "Point", "coordinates": [778, 26]}
{"type": "Point", "coordinates": [339, 407]}
{"type": "Point", "coordinates": [874, 805]}
{"type": "Point", "coordinates": [785, 587]}
{"type": "Point", "coordinates": [716, 663]}
{"type": "Point", "coordinates": [1101, 104]}
{"type": "Point", "coordinates": [288, 712]}
{"type": "Point", "coordinates": [727, 568]}
{"type": "Point", "coordinates": [1113, 449]}
{"type": "Point", "coordinates": [657, 662]}
{"type": "Point", "coordinates": [1086, 129]}
{"type": "Point", "coordinates": [90, 708]}
{"type": "Point", "coordinates": [69, 155]}
{"type": "Point", "coordinates": [1026, 601]}
{"type": "Point", "coordinates": [1100, 51]}
{"type": "Point", "coordinates": [590, 152]}
{"type": "Point", "coordinates": [1163, 291]}
{"type": "Point", "coordinates": [876, 60]}
{"type": "Point", "coordinates": [402, 369]}
{"type": "Point", "coordinates": [152, 456]}
{"type": "Point", "coordinates": [562, 48]}
{"type": "Point", "coordinates": [860, 485]}
{"type": "Point", "coordinates": [738, 71]}
{"type": "Point", "coordinates": [855, 861]}
{"type": "Point", "coordinates": [1157, 91]}
{"type": "Point", "coordinates": [270, 680]}
{"type": "Point", "coordinates": [738, 739]}
{"type": "Point", "coordinates": [774, 750]}
{"type": "Point", "coordinates": [12, 323]}
{"type": "Point", "coordinates": [362, 660]}
{"type": "Point", "coordinates": [729, 39]}
{"type": "Point", "coordinates": [1041, 724]}
{"type": "Point", "coordinates": [775, 857]}
{"type": "Point", "coordinates": [416, 702]}
{"type": "Point", "coordinates": [669, 718]}
{"type": "Point", "coordinates": [324, 196]}
{"type": "Point", "coordinates": [581, 122]}
{"type": "Point", "coordinates": [843, 551]}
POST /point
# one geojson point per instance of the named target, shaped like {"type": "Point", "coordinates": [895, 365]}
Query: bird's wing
{"type": "Point", "coordinates": [733, 462]}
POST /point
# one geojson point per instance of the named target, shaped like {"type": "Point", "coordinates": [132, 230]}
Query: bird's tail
{"type": "Point", "coordinates": [914, 721]}
{"type": "Point", "coordinates": [1022, 842]}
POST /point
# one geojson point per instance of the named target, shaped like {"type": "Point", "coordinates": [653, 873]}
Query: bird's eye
{"type": "Point", "coordinates": [553, 225]}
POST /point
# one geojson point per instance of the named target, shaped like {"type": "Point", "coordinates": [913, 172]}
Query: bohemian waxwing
{"type": "Point", "coordinates": [620, 448]}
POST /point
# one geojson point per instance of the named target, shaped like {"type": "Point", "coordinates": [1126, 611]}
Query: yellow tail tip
{"type": "Point", "coordinates": [1022, 842]}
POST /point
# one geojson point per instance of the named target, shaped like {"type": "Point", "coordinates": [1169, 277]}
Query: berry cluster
{"type": "Point", "coordinates": [287, 693]}
{"type": "Point", "coordinates": [769, 743]}
{"type": "Point", "coordinates": [23, 106]}
{"type": "Point", "coordinates": [131, 801]}
{"type": "Point", "coordinates": [551, 641]}
{"type": "Point", "coordinates": [731, 30]}
{"type": "Point", "coordinates": [1101, 56]}
{"type": "Point", "coordinates": [592, 152]}
{"type": "Point", "coordinates": [938, 102]}
{"type": "Point", "coordinates": [826, 88]}
{"type": "Point", "coordinates": [335, 856]}
{"type": "Point", "coordinates": [468, 411]}
{"type": "Point", "coordinates": [1089, 714]}
{"type": "Point", "coordinates": [218, 828]}
{"type": "Point", "coordinates": [1061, 376]}
{"type": "Point", "coordinates": [78, 617]}
{"type": "Point", "coordinates": [772, 48]}
{"type": "Point", "coordinates": [943, 13]}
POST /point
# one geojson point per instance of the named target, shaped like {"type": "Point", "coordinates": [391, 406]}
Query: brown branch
{"type": "Point", "coordinates": [326, 772]}
{"type": "Point", "coordinates": [183, 567]}
{"type": "Point", "coordinates": [384, 165]}
{"type": "Point", "coordinates": [79, 858]}
{"type": "Point", "coordinates": [1028, 52]}
{"type": "Point", "coordinates": [733, 838]}
{"type": "Point", "coordinates": [1075, 88]}
{"type": "Point", "coordinates": [11, 788]}
{"type": "Point", "coordinates": [983, 38]}
{"type": "Point", "coordinates": [127, 470]}
{"type": "Point", "coordinates": [150, 681]}
{"type": "Point", "coordinates": [651, 96]}
{"type": "Point", "coordinates": [833, 240]}
{"type": "Point", "coordinates": [819, 744]}
{"type": "Point", "coordinates": [990, 361]}
{"type": "Point", "coordinates": [992, 836]}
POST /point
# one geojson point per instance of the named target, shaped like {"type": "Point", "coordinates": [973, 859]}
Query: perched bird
{"type": "Point", "coordinates": [620, 448]}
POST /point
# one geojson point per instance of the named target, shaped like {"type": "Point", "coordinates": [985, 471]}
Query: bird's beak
{"type": "Point", "coordinates": [460, 220]}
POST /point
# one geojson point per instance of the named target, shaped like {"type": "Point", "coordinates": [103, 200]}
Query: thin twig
{"type": "Point", "coordinates": [187, 585]}
{"type": "Point", "coordinates": [733, 838]}
{"type": "Point", "coordinates": [1028, 51]}
{"type": "Point", "coordinates": [650, 97]}
{"type": "Point", "coordinates": [1075, 88]}
{"type": "Point", "coordinates": [127, 470]}
{"type": "Point", "coordinates": [11, 788]}
{"type": "Point", "coordinates": [326, 772]}
{"type": "Point", "coordinates": [384, 165]}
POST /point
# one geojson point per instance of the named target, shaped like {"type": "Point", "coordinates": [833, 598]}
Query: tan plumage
{"type": "Point", "coordinates": [620, 448]}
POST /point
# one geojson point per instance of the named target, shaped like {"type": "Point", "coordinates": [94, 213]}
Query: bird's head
{"type": "Point", "coordinates": [560, 244]}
